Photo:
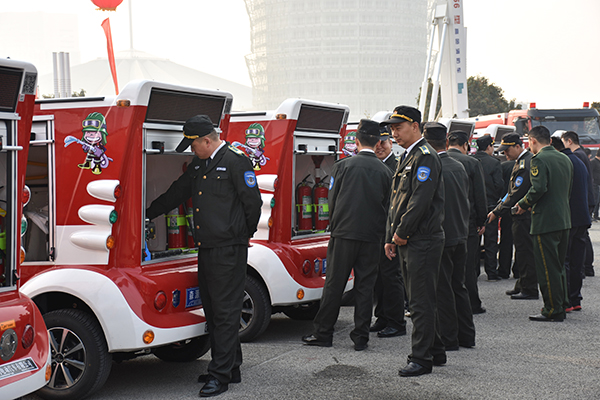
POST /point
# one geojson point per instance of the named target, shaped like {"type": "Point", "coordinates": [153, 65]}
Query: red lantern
{"type": "Point", "coordinates": [107, 5]}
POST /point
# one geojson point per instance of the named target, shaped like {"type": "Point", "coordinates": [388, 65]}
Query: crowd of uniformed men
{"type": "Point", "coordinates": [439, 203]}
{"type": "Point", "coordinates": [411, 231]}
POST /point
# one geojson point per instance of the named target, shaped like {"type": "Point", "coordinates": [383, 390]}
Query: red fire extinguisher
{"type": "Point", "coordinates": [320, 196]}
{"type": "Point", "coordinates": [304, 204]}
{"type": "Point", "coordinates": [176, 228]}
{"type": "Point", "coordinates": [189, 219]}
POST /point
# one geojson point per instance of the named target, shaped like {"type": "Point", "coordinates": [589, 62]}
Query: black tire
{"type": "Point", "coordinates": [303, 312]}
{"type": "Point", "coordinates": [256, 310]}
{"type": "Point", "coordinates": [184, 351]}
{"type": "Point", "coordinates": [80, 359]}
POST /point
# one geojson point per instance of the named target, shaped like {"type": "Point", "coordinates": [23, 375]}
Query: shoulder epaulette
{"type": "Point", "coordinates": [236, 150]}
{"type": "Point", "coordinates": [424, 149]}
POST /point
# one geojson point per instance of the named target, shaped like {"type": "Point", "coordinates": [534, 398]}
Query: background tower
{"type": "Point", "coordinates": [368, 54]}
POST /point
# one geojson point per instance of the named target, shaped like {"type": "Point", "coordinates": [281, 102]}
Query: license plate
{"type": "Point", "coordinates": [192, 297]}
{"type": "Point", "coordinates": [324, 266]}
{"type": "Point", "coordinates": [17, 367]}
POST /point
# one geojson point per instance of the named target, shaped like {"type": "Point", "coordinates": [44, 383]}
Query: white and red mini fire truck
{"type": "Point", "coordinates": [110, 284]}
{"type": "Point", "coordinates": [293, 150]}
{"type": "Point", "coordinates": [24, 345]}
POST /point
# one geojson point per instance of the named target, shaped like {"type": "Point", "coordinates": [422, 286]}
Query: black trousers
{"type": "Point", "coordinates": [490, 246]}
{"type": "Point", "coordinates": [588, 261]}
{"type": "Point", "coordinates": [472, 268]}
{"type": "Point", "coordinates": [527, 282]}
{"type": "Point", "coordinates": [389, 292]}
{"type": "Point", "coordinates": [343, 255]}
{"type": "Point", "coordinates": [420, 262]}
{"type": "Point", "coordinates": [505, 248]}
{"type": "Point", "coordinates": [453, 304]}
{"type": "Point", "coordinates": [221, 279]}
{"type": "Point", "coordinates": [574, 264]}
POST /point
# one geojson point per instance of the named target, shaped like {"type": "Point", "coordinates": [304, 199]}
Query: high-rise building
{"type": "Point", "coordinates": [368, 54]}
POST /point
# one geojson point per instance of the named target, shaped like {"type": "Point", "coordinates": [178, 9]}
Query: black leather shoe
{"type": "Point", "coordinates": [212, 387]}
{"type": "Point", "coordinates": [236, 377]}
{"type": "Point", "coordinates": [414, 369]}
{"type": "Point", "coordinates": [388, 331]}
{"type": "Point", "coordinates": [479, 310]}
{"type": "Point", "coordinates": [378, 326]}
{"type": "Point", "coordinates": [523, 296]}
{"type": "Point", "coordinates": [512, 291]}
{"type": "Point", "coordinates": [312, 340]}
{"type": "Point", "coordinates": [543, 318]}
{"type": "Point", "coordinates": [360, 346]}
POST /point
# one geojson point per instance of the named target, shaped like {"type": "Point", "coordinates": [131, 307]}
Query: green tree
{"type": "Point", "coordinates": [596, 105]}
{"type": "Point", "coordinates": [81, 93]}
{"type": "Point", "coordinates": [487, 98]}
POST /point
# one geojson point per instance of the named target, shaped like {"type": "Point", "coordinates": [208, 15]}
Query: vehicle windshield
{"type": "Point", "coordinates": [586, 127]}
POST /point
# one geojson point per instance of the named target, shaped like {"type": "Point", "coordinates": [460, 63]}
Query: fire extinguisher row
{"type": "Point", "coordinates": [312, 207]}
{"type": "Point", "coordinates": [180, 227]}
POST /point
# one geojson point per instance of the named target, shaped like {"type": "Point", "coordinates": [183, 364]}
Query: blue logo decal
{"type": "Point", "coordinates": [330, 183]}
{"type": "Point", "coordinates": [518, 181]}
{"type": "Point", "coordinates": [176, 297]}
{"type": "Point", "coordinates": [250, 178]}
{"type": "Point", "coordinates": [423, 174]}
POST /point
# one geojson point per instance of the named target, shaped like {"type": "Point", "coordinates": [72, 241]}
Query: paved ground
{"type": "Point", "coordinates": [514, 359]}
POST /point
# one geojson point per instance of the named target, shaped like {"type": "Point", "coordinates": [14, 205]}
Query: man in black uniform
{"type": "Point", "coordinates": [505, 248]}
{"type": "Point", "coordinates": [526, 286]}
{"type": "Point", "coordinates": [455, 317]}
{"type": "Point", "coordinates": [359, 192]}
{"type": "Point", "coordinates": [458, 145]}
{"type": "Point", "coordinates": [414, 232]}
{"type": "Point", "coordinates": [492, 173]}
{"type": "Point", "coordinates": [389, 287]}
{"type": "Point", "coordinates": [227, 205]}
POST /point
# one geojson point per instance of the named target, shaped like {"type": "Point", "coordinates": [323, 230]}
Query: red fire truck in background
{"type": "Point", "coordinates": [110, 284]}
{"type": "Point", "coordinates": [584, 121]}
{"type": "Point", "coordinates": [293, 150]}
{"type": "Point", "coordinates": [24, 345]}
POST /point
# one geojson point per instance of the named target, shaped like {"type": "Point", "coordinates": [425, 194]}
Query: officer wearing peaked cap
{"type": "Point", "coordinates": [414, 233]}
{"type": "Point", "coordinates": [358, 201]}
{"type": "Point", "coordinates": [227, 205]}
{"type": "Point", "coordinates": [526, 286]}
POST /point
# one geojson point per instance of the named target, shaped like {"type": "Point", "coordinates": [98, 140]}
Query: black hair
{"type": "Point", "coordinates": [571, 135]}
{"type": "Point", "coordinates": [541, 134]}
{"type": "Point", "coordinates": [438, 145]}
{"type": "Point", "coordinates": [557, 143]}
{"type": "Point", "coordinates": [367, 140]}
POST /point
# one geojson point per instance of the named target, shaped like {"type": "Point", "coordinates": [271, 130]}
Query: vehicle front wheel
{"type": "Point", "coordinates": [184, 351]}
{"type": "Point", "coordinates": [80, 359]}
{"type": "Point", "coordinates": [256, 310]}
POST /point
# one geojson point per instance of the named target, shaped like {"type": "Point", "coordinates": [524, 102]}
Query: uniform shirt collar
{"type": "Point", "coordinates": [521, 155]}
{"type": "Point", "coordinates": [412, 146]}
{"type": "Point", "coordinates": [212, 156]}
{"type": "Point", "coordinates": [388, 156]}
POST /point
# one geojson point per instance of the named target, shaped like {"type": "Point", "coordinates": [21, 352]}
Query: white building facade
{"type": "Point", "coordinates": [368, 54]}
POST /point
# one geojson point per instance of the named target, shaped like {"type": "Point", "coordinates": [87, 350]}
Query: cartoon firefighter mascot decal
{"type": "Point", "coordinates": [92, 142]}
{"type": "Point", "coordinates": [350, 148]}
{"type": "Point", "coordinates": [255, 145]}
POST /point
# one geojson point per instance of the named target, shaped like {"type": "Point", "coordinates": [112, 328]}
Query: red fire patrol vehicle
{"type": "Point", "coordinates": [110, 284]}
{"type": "Point", "coordinates": [24, 344]}
{"type": "Point", "coordinates": [293, 150]}
{"type": "Point", "coordinates": [584, 121]}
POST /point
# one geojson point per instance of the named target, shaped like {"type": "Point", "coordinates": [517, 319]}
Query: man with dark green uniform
{"type": "Point", "coordinates": [458, 145]}
{"type": "Point", "coordinates": [415, 233]}
{"type": "Point", "coordinates": [227, 205]}
{"type": "Point", "coordinates": [551, 180]}
{"type": "Point", "coordinates": [389, 287]}
{"type": "Point", "coordinates": [492, 173]}
{"type": "Point", "coordinates": [526, 287]}
{"type": "Point", "coordinates": [359, 193]}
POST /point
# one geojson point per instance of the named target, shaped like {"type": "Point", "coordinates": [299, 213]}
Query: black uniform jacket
{"type": "Point", "coordinates": [477, 194]}
{"type": "Point", "coordinates": [519, 185]}
{"type": "Point", "coordinates": [391, 162]}
{"type": "Point", "coordinates": [578, 201]}
{"type": "Point", "coordinates": [359, 194]}
{"type": "Point", "coordinates": [225, 196]}
{"type": "Point", "coordinates": [417, 199]}
{"type": "Point", "coordinates": [456, 195]}
{"type": "Point", "coordinates": [492, 173]}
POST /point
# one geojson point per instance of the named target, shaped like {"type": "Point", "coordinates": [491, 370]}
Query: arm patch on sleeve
{"type": "Point", "coordinates": [423, 174]}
